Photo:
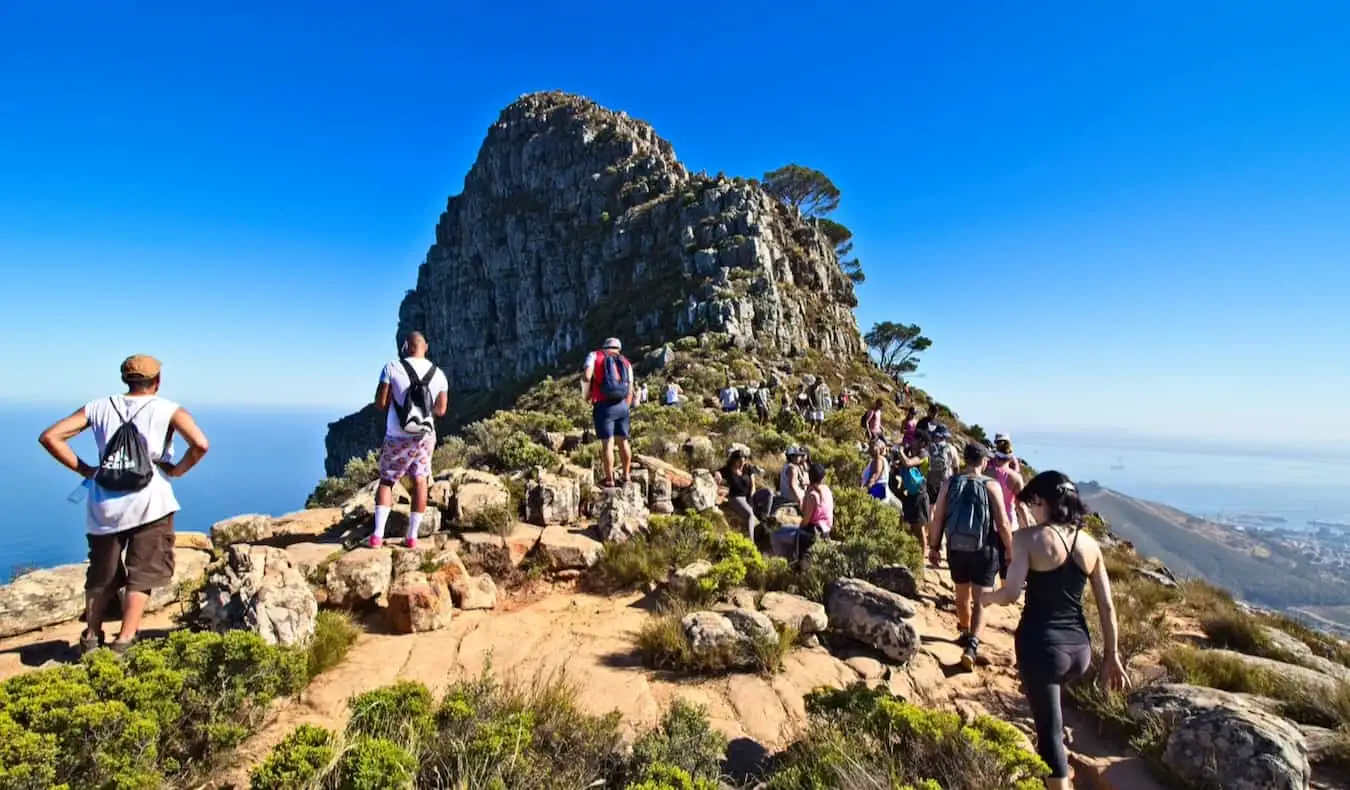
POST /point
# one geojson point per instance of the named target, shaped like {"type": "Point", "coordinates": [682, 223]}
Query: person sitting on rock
{"type": "Point", "coordinates": [412, 392]}
{"type": "Point", "coordinates": [970, 514]}
{"type": "Point", "coordinates": [792, 479]}
{"type": "Point", "coordinates": [817, 512]}
{"type": "Point", "coordinates": [607, 383]}
{"type": "Point", "coordinates": [1055, 560]}
{"type": "Point", "coordinates": [131, 505]}
{"type": "Point", "coordinates": [672, 394]}
{"type": "Point", "coordinates": [739, 479]}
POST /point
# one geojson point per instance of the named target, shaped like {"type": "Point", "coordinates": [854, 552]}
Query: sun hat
{"type": "Point", "coordinates": [140, 367]}
{"type": "Point", "coordinates": [612, 343]}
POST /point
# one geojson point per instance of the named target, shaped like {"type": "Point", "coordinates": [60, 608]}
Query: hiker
{"type": "Point", "coordinates": [1056, 559]}
{"type": "Point", "coordinates": [1003, 444]}
{"type": "Point", "coordinates": [820, 404]}
{"type": "Point", "coordinates": [817, 512]}
{"type": "Point", "coordinates": [607, 381]}
{"type": "Point", "coordinates": [739, 479]}
{"type": "Point", "coordinates": [927, 423]}
{"type": "Point", "coordinates": [729, 398]}
{"type": "Point", "coordinates": [762, 396]}
{"type": "Point", "coordinates": [792, 479]}
{"type": "Point", "coordinates": [909, 426]}
{"type": "Point", "coordinates": [876, 475]}
{"type": "Point", "coordinates": [747, 397]}
{"type": "Point", "coordinates": [642, 393]}
{"type": "Point", "coordinates": [844, 399]}
{"type": "Point", "coordinates": [131, 504]}
{"type": "Point", "coordinates": [910, 489]}
{"type": "Point", "coordinates": [412, 392]}
{"type": "Point", "coordinates": [672, 394]}
{"type": "Point", "coordinates": [943, 460]}
{"type": "Point", "coordinates": [970, 514]}
{"type": "Point", "coordinates": [1011, 483]}
{"type": "Point", "coordinates": [871, 423]}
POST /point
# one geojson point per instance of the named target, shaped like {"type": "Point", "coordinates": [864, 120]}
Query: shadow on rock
{"type": "Point", "coordinates": [747, 759]}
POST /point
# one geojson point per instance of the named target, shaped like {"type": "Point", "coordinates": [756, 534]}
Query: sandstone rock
{"type": "Point", "coordinates": [896, 578]}
{"type": "Point", "coordinates": [658, 358]}
{"type": "Point", "coordinates": [397, 525]}
{"type": "Point", "coordinates": [753, 625]}
{"type": "Point", "coordinates": [697, 447]}
{"type": "Point", "coordinates": [485, 551]}
{"type": "Point", "coordinates": [479, 592]}
{"type": "Point", "coordinates": [254, 528]}
{"type": "Point", "coordinates": [793, 611]}
{"type": "Point", "coordinates": [677, 476]}
{"type": "Point", "coordinates": [192, 540]}
{"type": "Point", "coordinates": [418, 604]}
{"type": "Point", "coordinates": [552, 499]}
{"type": "Point", "coordinates": [572, 440]}
{"type": "Point", "coordinates": [360, 577]}
{"type": "Point", "coordinates": [584, 477]}
{"type": "Point", "coordinates": [872, 616]}
{"type": "Point", "coordinates": [553, 440]}
{"type": "Point", "coordinates": [258, 589]}
{"type": "Point", "coordinates": [742, 598]}
{"type": "Point", "coordinates": [189, 568]}
{"type": "Point", "coordinates": [620, 514]}
{"type": "Point", "coordinates": [1160, 578]}
{"type": "Point", "coordinates": [1309, 677]}
{"type": "Point", "coordinates": [362, 503]}
{"type": "Point", "coordinates": [1305, 656]}
{"type": "Point", "coordinates": [868, 668]}
{"type": "Point", "coordinates": [702, 495]}
{"type": "Point", "coordinates": [309, 557]}
{"type": "Point", "coordinates": [684, 580]}
{"type": "Point", "coordinates": [659, 495]}
{"type": "Point", "coordinates": [710, 631]}
{"type": "Point", "coordinates": [41, 598]}
{"type": "Point", "coordinates": [1238, 749]}
{"type": "Point", "coordinates": [471, 492]}
{"type": "Point", "coordinates": [566, 549]}
{"type": "Point", "coordinates": [249, 528]}
{"type": "Point", "coordinates": [1173, 701]}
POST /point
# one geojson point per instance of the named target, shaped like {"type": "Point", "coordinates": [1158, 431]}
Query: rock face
{"type": "Point", "coordinates": [360, 577]}
{"type": "Point", "coordinates": [621, 513]}
{"type": "Point", "coordinates": [258, 589]}
{"type": "Point", "coordinates": [417, 604]}
{"type": "Point", "coordinates": [576, 223]}
{"type": "Point", "coordinates": [793, 611]}
{"type": "Point", "coordinates": [873, 616]}
{"type": "Point", "coordinates": [552, 499]}
{"type": "Point", "coordinates": [702, 495]}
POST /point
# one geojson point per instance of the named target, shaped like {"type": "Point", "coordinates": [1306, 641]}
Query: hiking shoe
{"type": "Point", "coordinates": [963, 639]}
{"type": "Point", "coordinates": [375, 542]}
{"type": "Point", "coordinates": [120, 648]}
{"type": "Point", "coordinates": [410, 543]}
{"type": "Point", "coordinates": [90, 642]}
{"type": "Point", "coordinates": [970, 655]}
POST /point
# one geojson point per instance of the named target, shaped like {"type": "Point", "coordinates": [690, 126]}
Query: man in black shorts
{"type": "Point", "coordinates": [960, 506]}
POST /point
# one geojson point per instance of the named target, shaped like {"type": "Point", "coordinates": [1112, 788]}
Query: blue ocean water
{"type": "Point", "coordinates": [261, 461]}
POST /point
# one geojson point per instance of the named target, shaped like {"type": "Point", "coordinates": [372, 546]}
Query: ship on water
{"type": "Point", "coordinates": [1330, 524]}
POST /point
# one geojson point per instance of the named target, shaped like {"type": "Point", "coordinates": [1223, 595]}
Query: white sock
{"type": "Point", "coordinates": [414, 524]}
{"type": "Point", "coordinates": [381, 518]}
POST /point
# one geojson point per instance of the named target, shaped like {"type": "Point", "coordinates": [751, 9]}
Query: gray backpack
{"type": "Point", "coordinates": [969, 519]}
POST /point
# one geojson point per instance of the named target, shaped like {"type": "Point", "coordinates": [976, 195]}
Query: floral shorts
{"type": "Point", "coordinates": [406, 456]}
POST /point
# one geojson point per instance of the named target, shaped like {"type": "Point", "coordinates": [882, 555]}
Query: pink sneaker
{"type": "Point", "coordinates": [410, 543]}
{"type": "Point", "coordinates": [375, 541]}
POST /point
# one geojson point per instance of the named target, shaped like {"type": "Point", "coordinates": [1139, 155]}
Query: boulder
{"type": "Point", "coordinates": [658, 358]}
{"type": "Point", "coordinates": [520, 541]}
{"type": "Point", "coordinates": [620, 513]}
{"type": "Point", "coordinates": [584, 476]}
{"type": "Point", "coordinates": [1238, 749]}
{"type": "Point", "coordinates": [1305, 656]}
{"type": "Point", "coordinates": [677, 476]}
{"type": "Point", "coordinates": [192, 540]}
{"type": "Point", "coordinates": [310, 557]}
{"type": "Point", "coordinates": [896, 578]}
{"type": "Point", "coordinates": [572, 440]}
{"type": "Point", "coordinates": [362, 503]}
{"type": "Point", "coordinates": [249, 528]}
{"type": "Point", "coordinates": [698, 446]}
{"type": "Point", "coordinates": [684, 581]}
{"type": "Point", "coordinates": [41, 598]}
{"type": "Point", "coordinates": [752, 625]}
{"type": "Point", "coordinates": [872, 616]}
{"type": "Point", "coordinates": [1156, 576]}
{"type": "Point", "coordinates": [497, 553]}
{"type": "Point", "coordinates": [258, 589]}
{"type": "Point", "coordinates": [552, 499]}
{"type": "Point", "coordinates": [702, 494]}
{"type": "Point", "coordinates": [189, 568]}
{"type": "Point", "coordinates": [566, 549]}
{"type": "Point", "coordinates": [446, 566]}
{"type": "Point", "coordinates": [471, 491]}
{"type": "Point", "coordinates": [478, 592]}
{"type": "Point", "coordinates": [254, 528]}
{"type": "Point", "coordinates": [418, 604]}
{"type": "Point", "coordinates": [360, 577]}
{"type": "Point", "coordinates": [1304, 675]}
{"type": "Point", "coordinates": [553, 440]}
{"type": "Point", "coordinates": [397, 525]}
{"type": "Point", "coordinates": [659, 495]}
{"type": "Point", "coordinates": [793, 611]}
{"type": "Point", "coordinates": [710, 631]}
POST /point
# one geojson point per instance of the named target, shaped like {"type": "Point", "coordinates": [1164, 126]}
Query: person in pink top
{"type": "Point", "coordinates": [909, 426]}
{"type": "Point", "coordinates": [872, 421]}
{"type": "Point", "coordinates": [1010, 480]}
{"type": "Point", "coordinates": [817, 511]}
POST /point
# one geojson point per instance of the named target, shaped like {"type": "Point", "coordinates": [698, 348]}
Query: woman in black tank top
{"type": "Point", "coordinates": [1056, 560]}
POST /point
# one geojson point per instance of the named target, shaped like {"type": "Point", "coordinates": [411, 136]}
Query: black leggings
{"type": "Point", "coordinates": [1044, 670]}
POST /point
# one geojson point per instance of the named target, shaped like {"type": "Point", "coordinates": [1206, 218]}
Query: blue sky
{"type": "Point", "coordinates": [1122, 218]}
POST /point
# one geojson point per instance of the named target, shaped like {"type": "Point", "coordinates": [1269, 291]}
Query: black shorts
{"type": "Point", "coordinates": [977, 568]}
{"type": "Point", "coordinates": [915, 507]}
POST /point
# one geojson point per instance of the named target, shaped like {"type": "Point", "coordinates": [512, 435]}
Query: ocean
{"type": "Point", "coordinates": [261, 461]}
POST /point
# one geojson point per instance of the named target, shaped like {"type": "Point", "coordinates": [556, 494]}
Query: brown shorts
{"type": "Point", "coordinates": [148, 563]}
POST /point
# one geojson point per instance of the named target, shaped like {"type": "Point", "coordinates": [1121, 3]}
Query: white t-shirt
{"type": "Point", "coordinates": [397, 378]}
{"type": "Point", "coordinates": [115, 511]}
{"type": "Point", "coordinates": [671, 395]}
{"type": "Point", "coordinates": [730, 398]}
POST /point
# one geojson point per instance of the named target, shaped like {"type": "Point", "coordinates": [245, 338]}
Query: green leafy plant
{"type": "Point", "coordinates": [333, 491]}
{"type": "Point", "coordinates": [334, 634]}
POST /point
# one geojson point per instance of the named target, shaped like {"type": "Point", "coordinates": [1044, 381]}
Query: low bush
{"type": "Point", "coordinates": [294, 763]}
{"type": "Point", "coordinates": [662, 776]}
{"type": "Point", "coordinates": [503, 441]}
{"type": "Point", "coordinates": [158, 716]}
{"type": "Point", "coordinates": [867, 535]}
{"type": "Point", "coordinates": [452, 452]}
{"type": "Point", "coordinates": [670, 542]}
{"type": "Point", "coordinates": [868, 738]}
{"type": "Point", "coordinates": [1305, 703]}
{"type": "Point", "coordinates": [334, 634]}
{"type": "Point", "coordinates": [1324, 645]}
{"type": "Point", "coordinates": [683, 739]}
{"type": "Point", "coordinates": [663, 644]}
{"type": "Point", "coordinates": [497, 519]}
{"type": "Point", "coordinates": [333, 491]}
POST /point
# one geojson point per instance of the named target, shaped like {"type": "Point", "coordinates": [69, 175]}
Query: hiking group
{"type": "Point", "coordinates": [994, 526]}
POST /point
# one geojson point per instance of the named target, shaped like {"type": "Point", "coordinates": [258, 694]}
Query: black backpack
{"type": "Point", "coordinates": [125, 465]}
{"type": "Point", "coordinates": [415, 414]}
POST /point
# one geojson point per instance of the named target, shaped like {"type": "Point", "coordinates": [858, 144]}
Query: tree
{"type": "Point", "coordinates": [842, 239]}
{"type": "Point", "coordinates": [896, 346]}
{"type": "Point", "coordinates": [810, 192]}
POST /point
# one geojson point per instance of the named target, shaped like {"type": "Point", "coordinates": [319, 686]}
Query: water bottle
{"type": "Point", "coordinates": [81, 491]}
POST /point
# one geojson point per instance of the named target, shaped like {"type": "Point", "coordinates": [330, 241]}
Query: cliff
{"type": "Point", "coordinates": [576, 223]}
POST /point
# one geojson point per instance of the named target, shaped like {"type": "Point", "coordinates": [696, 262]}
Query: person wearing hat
{"type": "Point", "coordinates": [1003, 444]}
{"type": "Point", "coordinates": [792, 479]}
{"type": "Point", "coordinates": [971, 503]}
{"type": "Point", "coordinates": [607, 383]}
{"type": "Point", "coordinates": [130, 508]}
{"type": "Point", "coordinates": [739, 478]}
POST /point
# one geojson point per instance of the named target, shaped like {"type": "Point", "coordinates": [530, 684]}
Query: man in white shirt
{"type": "Point", "coordinates": [135, 519]}
{"type": "Point", "coordinates": [407, 453]}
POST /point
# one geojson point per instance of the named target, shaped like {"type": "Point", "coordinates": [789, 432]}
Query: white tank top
{"type": "Point", "coordinates": [115, 511]}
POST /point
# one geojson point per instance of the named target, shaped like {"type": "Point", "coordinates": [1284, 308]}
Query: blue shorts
{"type": "Point", "coordinates": [611, 419]}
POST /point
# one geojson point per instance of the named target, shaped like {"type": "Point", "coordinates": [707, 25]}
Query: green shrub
{"type": "Point", "coordinates": [1314, 704]}
{"type": "Point", "coordinates": [402, 713]}
{"type": "Point", "coordinates": [663, 644]}
{"type": "Point", "coordinates": [333, 491]}
{"type": "Point", "coordinates": [670, 542]}
{"type": "Point", "coordinates": [166, 711]}
{"type": "Point", "coordinates": [519, 451]}
{"type": "Point", "coordinates": [662, 776]}
{"type": "Point", "coordinates": [683, 739]}
{"type": "Point", "coordinates": [334, 634]}
{"type": "Point", "coordinates": [502, 442]}
{"type": "Point", "coordinates": [867, 535]}
{"type": "Point", "coordinates": [452, 452]}
{"type": "Point", "coordinates": [376, 764]}
{"type": "Point", "coordinates": [788, 421]}
{"type": "Point", "coordinates": [860, 737]}
{"type": "Point", "coordinates": [497, 519]}
{"type": "Point", "coordinates": [296, 762]}
{"type": "Point", "coordinates": [734, 558]}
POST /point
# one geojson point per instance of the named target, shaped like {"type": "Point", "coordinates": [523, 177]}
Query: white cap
{"type": "Point", "coordinates": [612, 343]}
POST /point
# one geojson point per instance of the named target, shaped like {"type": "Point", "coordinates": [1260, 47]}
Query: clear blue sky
{"type": "Point", "coordinates": [1114, 217]}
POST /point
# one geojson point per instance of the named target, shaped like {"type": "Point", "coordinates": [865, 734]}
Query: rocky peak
{"type": "Point", "coordinates": [577, 223]}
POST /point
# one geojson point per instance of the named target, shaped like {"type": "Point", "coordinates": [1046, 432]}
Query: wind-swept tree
{"type": "Point", "coordinates": [896, 346]}
{"type": "Point", "coordinates": [809, 191]}
{"type": "Point", "coordinates": [842, 239]}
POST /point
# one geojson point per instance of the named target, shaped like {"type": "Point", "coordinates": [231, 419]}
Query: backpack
{"type": "Point", "coordinates": [615, 377]}
{"type": "Point", "coordinates": [125, 465]}
{"type": "Point", "coordinates": [911, 480]}
{"type": "Point", "coordinates": [969, 519]}
{"type": "Point", "coordinates": [862, 421]}
{"type": "Point", "coordinates": [938, 468]}
{"type": "Point", "coordinates": [418, 407]}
